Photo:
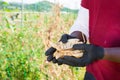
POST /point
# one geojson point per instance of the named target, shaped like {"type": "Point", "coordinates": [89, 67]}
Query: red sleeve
{"type": "Point", "coordinates": [85, 3]}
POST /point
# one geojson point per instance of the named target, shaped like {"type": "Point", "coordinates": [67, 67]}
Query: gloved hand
{"type": "Point", "coordinates": [91, 53]}
{"type": "Point", "coordinates": [49, 53]}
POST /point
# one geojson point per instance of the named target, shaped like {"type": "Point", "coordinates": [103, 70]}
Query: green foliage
{"type": "Point", "coordinates": [69, 10]}
{"type": "Point", "coordinates": [19, 55]}
{"type": "Point", "coordinates": [43, 6]}
{"type": "Point", "coordinates": [3, 4]}
{"type": "Point", "coordinates": [40, 6]}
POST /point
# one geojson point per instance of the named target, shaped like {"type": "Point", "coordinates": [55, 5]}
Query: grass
{"type": "Point", "coordinates": [22, 48]}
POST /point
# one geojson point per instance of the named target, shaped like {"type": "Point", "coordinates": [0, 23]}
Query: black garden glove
{"type": "Point", "coordinates": [91, 53]}
{"type": "Point", "coordinates": [49, 53]}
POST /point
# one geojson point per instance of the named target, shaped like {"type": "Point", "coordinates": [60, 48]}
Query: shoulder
{"type": "Point", "coordinates": [85, 3]}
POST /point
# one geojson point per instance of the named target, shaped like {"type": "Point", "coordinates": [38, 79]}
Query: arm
{"type": "Point", "coordinates": [112, 54]}
{"type": "Point", "coordinates": [80, 27]}
{"type": "Point", "coordinates": [91, 52]}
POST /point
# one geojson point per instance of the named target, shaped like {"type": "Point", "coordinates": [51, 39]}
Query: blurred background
{"type": "Point", "coordinates": [27, 27]}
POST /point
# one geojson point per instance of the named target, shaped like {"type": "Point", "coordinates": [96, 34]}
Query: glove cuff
{"type": "Point", "coordinates": [100, 52]}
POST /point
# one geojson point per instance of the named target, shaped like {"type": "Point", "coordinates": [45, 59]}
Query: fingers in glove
{"type": "Point", "coordinates": [50, 51]}
{"type": "Point", "coordinates": [79, 46]}
{"type": "Point", "coordinates": [65, 38]}
{"type": "Point", "coordinates": [50, 58]}
{"type": "Point", "coordinates": [54, 60]}
{"type": "Point", "coordinates": [61, 60]}
{"type": "Point", "coordinates": [59, 63]}
{"type": "Point", "coordinates": [78, 62]}
{"type": "Point", "coordinates": [71, 59]}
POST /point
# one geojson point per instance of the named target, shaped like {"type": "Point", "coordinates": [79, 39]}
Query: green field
{"type": "Point", "coordinates": [22, 48]}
